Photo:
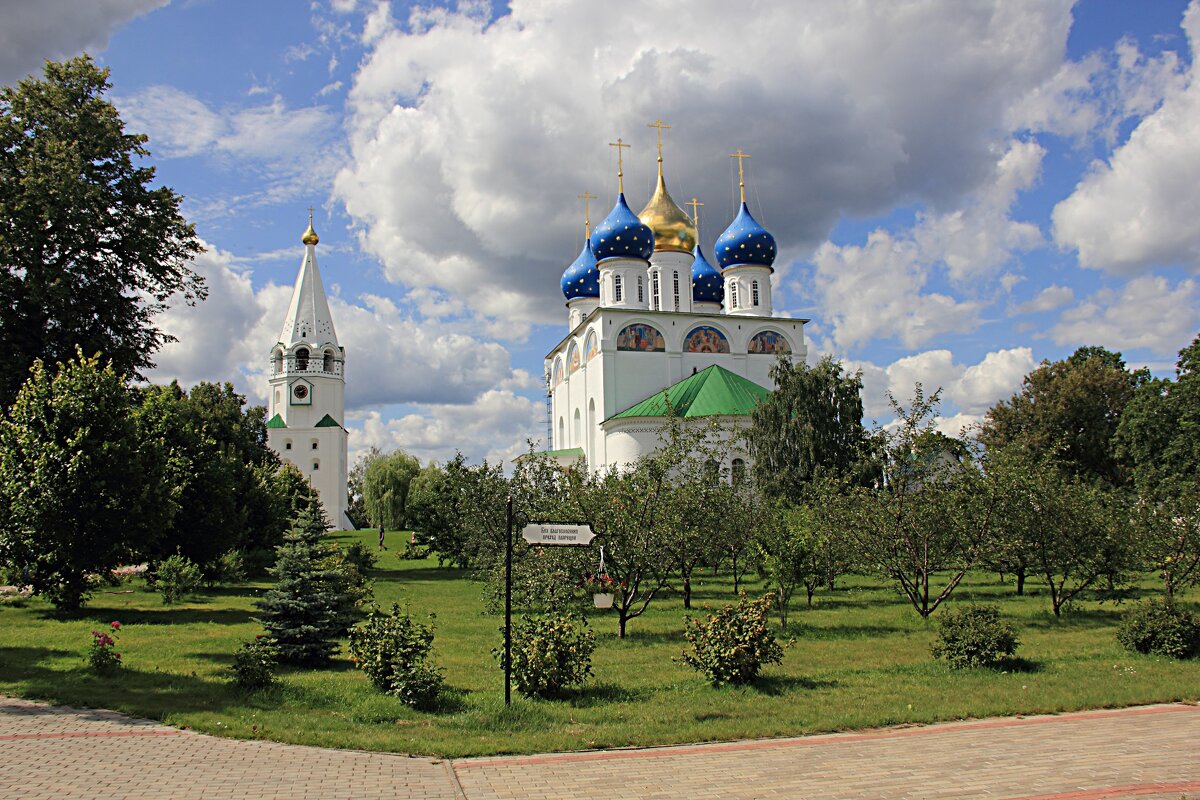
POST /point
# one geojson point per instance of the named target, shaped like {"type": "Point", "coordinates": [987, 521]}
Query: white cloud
{"type": "Point", "coordinates": [1047, 299]}
{"type": "Point", "coordinates": [1140, 208]}
{"type": "Point", "coordinates": [34, 32]}
{"type": "Point", "coordinates": [1147, 312]}
{"type": "Point", "coordinates": [469, 138]}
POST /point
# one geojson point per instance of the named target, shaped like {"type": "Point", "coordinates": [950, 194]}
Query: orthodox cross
{"type": "Point", "coordinates": [310, 213]}
{"type": "Point", "coordinates": [739, 155]}
{"type": "Point", "coordinates": [695, 204]}
{"type": "Point", "coordinates": [587, 214]}
{"type": "Point", "coordinates": [620, 163]}
{"type": "Point", "coordinates": [658, 123]}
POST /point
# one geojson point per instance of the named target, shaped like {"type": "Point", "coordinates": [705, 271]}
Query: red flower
{"type": "Point", "coordinates": [116, 626]}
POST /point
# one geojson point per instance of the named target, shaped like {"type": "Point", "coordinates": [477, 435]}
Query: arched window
{"type": "Point", "coordinates": [641, 291]}
{"type": "Point", "coordinates": [328, 365]}
{"type": "Point", "coordinates": [754, 293]}
{"type": "Point", "coordinates": [616, 288]}
{"type": "Point", "coordinates": [316, 465]}
{"type": "Point", "coordinates": [578, 429]}
{"type": "Point", "coordinates": [591, 451]}
{"type": "Point", "coordinates": [733, 303]}
{"type": "Point", "coordinates": [675, 288]}
{"type": "Point", "coordinates": [738, 472]}
{"type": "Point", "coordinates": [561, 442]}
{"type": "Point", "coordinates": [278, 361]}
{"type": "Point", "coordinates": [287, 445]}
{"type": "Point", "coordinates": [654, 293]}
{"type": "Point", "coordinates": [302, 359]}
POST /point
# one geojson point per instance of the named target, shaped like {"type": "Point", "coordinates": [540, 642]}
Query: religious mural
{"type": "Point", "coordinates": [769, 343]}
{"type": "Point", "coordinates": [706, 339]}
{"type": "Point", "coordinates": [641, 337]}
{"type": "Point", "coordinates": [572, 359]}
{"type": "Point", "coordinates": [590, 350]}
{"type": "Point", "coordinates": [558, 372]}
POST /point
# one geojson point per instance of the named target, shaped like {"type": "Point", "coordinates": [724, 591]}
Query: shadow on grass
{"type": "Point", "coordinates": [1022, 665]}
{"type": "Point", "coordinates": [156, 616]}
{"type": "Point", "coordinates": [421, 574]}
{"type": "Point", "coordinates": [596, 694]}
{"type": "Point", "coordinates": [833, 632]}
{"type": "Point", "coordinates": [775, 685]}
{"type": "Point", "coordinates": [1077, 618]}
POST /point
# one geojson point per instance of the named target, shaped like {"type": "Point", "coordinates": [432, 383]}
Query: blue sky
{"type": "Point", "coordinates": [959, 190]}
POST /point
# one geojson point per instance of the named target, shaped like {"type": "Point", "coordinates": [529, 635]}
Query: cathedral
{"type": "Point", "coordinates": [647, 311]}
{"type": "Point", "coordinates": [307, 396]}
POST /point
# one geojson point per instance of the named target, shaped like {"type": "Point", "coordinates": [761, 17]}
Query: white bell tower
{"type": "Point", "coordinates": [307, 406]}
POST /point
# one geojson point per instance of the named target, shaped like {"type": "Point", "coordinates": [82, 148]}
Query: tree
{"type": "Point", "coordinates": [385, 487]}
{"type": "Point", "coordinates": [312, 603]}
{"type": "Point", "coordinates": [90, 252]}
{"type": "Point", "coordinates": [932, 518]}
{"type": "Point", "coordinates": [1069, 410]}
{"type": "Point", "coordinates": [81, 491]}
{"type": "Point", "coordinates": [355, 509]}
{"type": "Point", "coordinates": [796, 551]}
{"type": "Point", "coordinates": [812, 423]}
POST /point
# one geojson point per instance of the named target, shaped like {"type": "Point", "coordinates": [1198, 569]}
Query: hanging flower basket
{"type": "Point", "coordinates": [602, 600]}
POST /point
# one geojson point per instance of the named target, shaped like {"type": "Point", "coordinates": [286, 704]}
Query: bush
{"type": "Point", "coordinates": [974, 637]}
{"type": "Point", "coordinates": [103, 657]}
{"type": "Point", "coordinates": [361, 557]}
{"type": "Point", "coordinates": [230, 567]}
{"type": "Point", "coordinates": [550, 654]}
{"type": "Point", "coordinates": [254, 664]}
{"type": "Point", "coordinates": [393, 650]}
{"type": "Point", "coordinates": [732, 645]}
{"type": "Point", "coordinates": [1160, 628]}
{"type": "Point", "coordinates": [176, 577]}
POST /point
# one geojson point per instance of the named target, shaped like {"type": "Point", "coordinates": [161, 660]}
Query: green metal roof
{"type": "Point", "coordinates": [327, 422]}
{"type": "Point", "coordinates": [276, 422]}
{"type": "Point", "coordinates": [712, 392]}
{"type": "Point", "coordinates": [570, 451]}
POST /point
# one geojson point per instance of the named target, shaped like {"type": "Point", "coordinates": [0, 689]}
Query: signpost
{"type": "Point", "coordinates": [536, 533]}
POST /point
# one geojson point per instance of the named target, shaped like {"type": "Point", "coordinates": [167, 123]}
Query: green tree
{"type": "Point", "coordinates": [385, 487]}
{"type": "Point", "coordinates": [90, 251]}
{"type": "Point", "coordinates": [312, 603]}
{"type": "Point", "coordinates": [797, 552]}
{"type": "Point", "coordinates": [812, 423]}
{"type": "Point", "coordinates": [1069, 410]}
{"type": "Point", "coordinates": [355, 508]}
{"type": "Point", "coordinates": [81, 490]}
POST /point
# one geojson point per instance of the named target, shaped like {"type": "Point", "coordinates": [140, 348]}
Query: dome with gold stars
{"type": "Point", "coordinates": [622, 235]}
{"type": "Point", "coordinates": [707, 284]}
{"type": "Point", "coordinates": [673, 229]}
{"type": "Point", "coordinates": [745, 242]}
{"type": "Point", "coordinates": [582, 278]}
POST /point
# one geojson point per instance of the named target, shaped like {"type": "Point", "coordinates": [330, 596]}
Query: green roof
{"type": "Point", "coordinates": [570, 451]}
{"type": "Point", "coordinates": [276, 422]}
{"type": "Point", "coordinates": [712, 392]}
{"type": "Point", "coordinates": [327, 422]}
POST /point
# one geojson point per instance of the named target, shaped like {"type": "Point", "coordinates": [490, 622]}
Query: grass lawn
{"type": "Point", "coordinates": [860, 659]}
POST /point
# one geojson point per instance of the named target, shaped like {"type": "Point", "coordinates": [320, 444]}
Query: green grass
{"type": "Point", "coordinates": [860, 659]}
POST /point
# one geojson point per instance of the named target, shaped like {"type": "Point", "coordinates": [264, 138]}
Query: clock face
{"type": "Point", "coordinates": [300, 391]}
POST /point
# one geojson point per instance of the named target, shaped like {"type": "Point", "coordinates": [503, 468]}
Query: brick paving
{"type": "Point", "coordinates": [1151, 753]}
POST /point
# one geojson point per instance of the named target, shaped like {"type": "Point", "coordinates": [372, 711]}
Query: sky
{"type": "Point", "coordinates": [959, 190]}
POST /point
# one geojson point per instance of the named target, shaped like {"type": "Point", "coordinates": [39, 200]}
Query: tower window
{"type": "Point", "coordinates": [278, 361]}
{"type": "Point", "coordinates": [314, 445]}
{"type": "Point", "coordinates": [302, 359]}
{"type": "Point", "coordinates": [328, 365]}
{"type": "Point", "coordinates": [675, 289]}
{"type": "Point", "coordinates": [738, 471]}
{"type": "Point", "coordinates": [616, 288]}
{"type": "Point", "coordinates": [654, 304]}
{"type": "Point", "coordinates": [733, 303]}
{"type": "Point", "coordinates": [754, 292]}
{"type": "Point", "coordinates": [641, 291]}
{"type": "Point", "coordinates": [316, 465]}
{"type": "Point", "coordinates": [287, 445]}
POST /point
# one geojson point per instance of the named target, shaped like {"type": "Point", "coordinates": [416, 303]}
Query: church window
{"type": "Point", "coordinates": [328, 365]}
{"type": "Point", "coordinates": [302, 359]}
{"type": "Point", "coordinates": [754, 292]}
{"type": "Point", "coordinates": [316, 465]}
{"type": "Point", "coordinates": [733, 303]}
{"type": "Point", "coordinates": [738, 471]}
{"type": "Point", "coordinates": [315, 444]}
{"type": "Point", "coordinates": [654, 304]}
{"type": "Point", "coordinates": [278, 362]}
{"type": "Point", "coordinates": [616, 288]}
{"type": "Point", "coordinates": [641, 291]}
{"type": "Point", "coordinates": [675, 289]}
{"type": "Point", "coordinates": [561, 442]}
{"type": "Point", "coordinates": [591, 451]}
{"type": "Point", "coordinates": [287, 445]}
{"type": "Point", "coordinates": [578, 429]}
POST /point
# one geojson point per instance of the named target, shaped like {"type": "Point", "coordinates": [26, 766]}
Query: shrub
{"type": "Point", "coordinates": [230, 567]}
{"type": "Point", "coordinates": [550, 654]}
{"type": "Point", "coordinates": [360, 556]}
{"type": "Point", "coordinates": [176, 577]}
{"type": "Point", "coordinates": [1160, 628]}
{"type": "Point", "coordinates": [393, 650]}
{"type": "Point", "coordinates": [974, 637]}
{"type": "Point", "coordinates": [732, 645]}
{"type": "Point", "coordinates": [254, 663]}
{"type": "Point", "coordinates": [103, 657]}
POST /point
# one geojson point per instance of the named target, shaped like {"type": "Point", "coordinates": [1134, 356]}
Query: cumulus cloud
{"type": "Point", "coordinates": [1139, 209]}
{"type": "Point", "coordinates": [56, 29]}
{"type": "Point", "coordinates": [1147, 312]}
{"type": "Point", "coordinates": [1047, 299]}
{"type": "Point", "coordinates": [468, 144]}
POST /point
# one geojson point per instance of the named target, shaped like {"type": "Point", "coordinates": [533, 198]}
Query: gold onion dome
{"type": "Point", "coordinates": [310, 235]}
{"type": "Point", "coordinates": [673, 229]}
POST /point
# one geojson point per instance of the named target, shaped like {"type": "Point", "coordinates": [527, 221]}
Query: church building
{"type": "Point", "coordinates": [647, 311]}
{"type": "Point", "coordinates": [306, 404]}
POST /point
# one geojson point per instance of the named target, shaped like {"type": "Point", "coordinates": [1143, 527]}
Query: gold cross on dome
{"type": "Point", "coordinates": [620, 163]}
{"type": "Point", "coordinates": [695, 204]}
{"type": "Point", "coordinates": [586, 197]}
{"type": "Point", "coordinates": [658, 123]}
{"type": "Point", "coordinates": [739, 155]}
{"type": "Point", "coordinates": [310, 213]}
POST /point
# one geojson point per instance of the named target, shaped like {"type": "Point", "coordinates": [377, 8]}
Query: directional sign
{"type": "Point", "coordinates": [549, 533]}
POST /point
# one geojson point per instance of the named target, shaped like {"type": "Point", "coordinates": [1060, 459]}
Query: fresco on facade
{"type": "Point", "coordinates": [641, 337]}
{"type": "Point", "coordinates": [706, 339]}
{"type": "Point", "coordinates": [769, 343]}
{"type": "Point", "coordinates": [572, 359]}
{"type": "Point", "coordinates": [558, 373]}
{"type": "Point", "coordinates": [590, 350]}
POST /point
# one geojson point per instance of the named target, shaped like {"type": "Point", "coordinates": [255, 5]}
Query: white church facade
{"type": "Point", "coordinates": [306, 404]}
{"type": "Point", "coordinates": [647, 312]}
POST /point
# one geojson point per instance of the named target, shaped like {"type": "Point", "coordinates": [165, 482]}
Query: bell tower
{"type": "Point", "coordinates": [306, 406]}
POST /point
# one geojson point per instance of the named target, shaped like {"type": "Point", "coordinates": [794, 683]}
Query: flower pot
{"type": "Point", "coordinates": [602, 600]}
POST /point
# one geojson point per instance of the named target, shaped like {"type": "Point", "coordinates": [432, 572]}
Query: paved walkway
{"type": "Point", "coordinates": [1149, 752]}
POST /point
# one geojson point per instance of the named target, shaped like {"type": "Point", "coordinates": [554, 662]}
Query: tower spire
{"type": "Point", "coordinates": [620, 145]}
{"type": "Point", "coordinates": [740, 156]}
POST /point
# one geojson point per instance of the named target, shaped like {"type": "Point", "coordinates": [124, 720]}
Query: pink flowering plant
{"type": "Point", "coordinates": [102, 655]}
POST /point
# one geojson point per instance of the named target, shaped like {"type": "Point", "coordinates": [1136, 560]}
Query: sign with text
{"type": "Point", "coordinates": [549, 533]}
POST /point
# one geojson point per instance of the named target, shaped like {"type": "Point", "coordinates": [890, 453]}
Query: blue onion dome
{"type": "Point", "coordinates": [582, 278]}
{"type": "Point", "coordinates": [622, 235]}
{"type": "Point", "coordinates": [745, 242]}
{"type": "Point", "coordinates": [707, 284]}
